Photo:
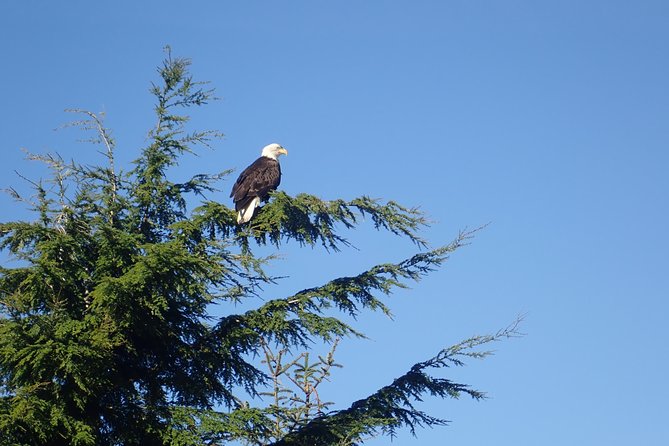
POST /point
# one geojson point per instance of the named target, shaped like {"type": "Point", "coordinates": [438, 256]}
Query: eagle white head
{"type": "Point", "coordinates": [273, 151]}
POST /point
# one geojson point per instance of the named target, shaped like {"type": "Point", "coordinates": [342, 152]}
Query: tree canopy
{"type": "Point", "coordinates": [106, 330]}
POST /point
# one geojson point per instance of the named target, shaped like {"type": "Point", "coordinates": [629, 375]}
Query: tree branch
{"type": "Point", "coordinates": [392, 406]}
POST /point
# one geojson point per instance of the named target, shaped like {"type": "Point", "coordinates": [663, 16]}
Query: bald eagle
{"type": "Point", "coordinates": [256, 181]}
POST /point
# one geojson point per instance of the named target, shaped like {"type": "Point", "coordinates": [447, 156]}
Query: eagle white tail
{"type": "Point", "coordinates": [245, 214]}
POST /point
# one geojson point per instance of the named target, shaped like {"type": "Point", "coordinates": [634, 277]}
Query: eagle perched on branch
{"type": "Point", "coordinates": [257, 181]}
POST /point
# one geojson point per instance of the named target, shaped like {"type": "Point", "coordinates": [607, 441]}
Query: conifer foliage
{"type": "Point", "coordinates": [106, 331]}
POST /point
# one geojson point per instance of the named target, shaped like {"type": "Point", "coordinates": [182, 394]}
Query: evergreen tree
{"type": "Point", "coordinates": [106, 335]}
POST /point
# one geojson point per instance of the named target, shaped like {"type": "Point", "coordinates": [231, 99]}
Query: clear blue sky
{"type": "Point", "coordinates": [548, 119]}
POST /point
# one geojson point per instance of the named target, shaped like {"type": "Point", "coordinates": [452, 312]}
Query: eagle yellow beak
{"type": "Point", "coordinates": [284, 151]}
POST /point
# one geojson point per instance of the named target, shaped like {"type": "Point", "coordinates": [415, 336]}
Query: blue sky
{"type": "Point", "coordinates": [547, 119]}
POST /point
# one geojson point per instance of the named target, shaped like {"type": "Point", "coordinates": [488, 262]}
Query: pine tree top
{"type": "Point", "coordinates": [106, 330]}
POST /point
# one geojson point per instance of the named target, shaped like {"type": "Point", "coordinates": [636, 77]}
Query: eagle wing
{"type": "Point", "coordinates": [257, 180]}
